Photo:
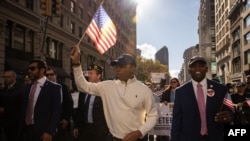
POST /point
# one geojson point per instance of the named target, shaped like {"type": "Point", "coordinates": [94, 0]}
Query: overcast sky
{"type": "Point", "coordinates": [171, 23]}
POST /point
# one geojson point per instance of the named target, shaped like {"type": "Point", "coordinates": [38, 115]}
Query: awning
{"type": "Point", "coordinates": [20, 66]}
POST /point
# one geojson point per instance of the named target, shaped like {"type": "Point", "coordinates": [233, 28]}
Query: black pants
{"type": "Point", "coordinates": [30, 135]}
{"type": "Point", "coordinates": [11, 132]}
{"type": "Point", "coordinates": [62, 134]}
{"type": "Point", "coordinates": [110, 137]}
{"type": "Point", "coordinates": [204, 138]}
{"type": "Point", "coordinates": [91, 132]}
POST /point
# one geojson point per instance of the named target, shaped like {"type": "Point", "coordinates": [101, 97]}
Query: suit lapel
{"type": "Point", "coordinates": [192, 97]}
{"type": "Point", "coordinates": [43, 88]}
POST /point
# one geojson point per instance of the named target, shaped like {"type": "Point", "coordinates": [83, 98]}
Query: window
{"type": "Point", "coordinates": [18, 38]}
{"type": "Point", "coordinates": [29, 43]}
{"type": "Point", "coordinates": [236, 49]}
{"type": "Point", "coordinates": [72, 27]}
{"type": "Point", "coordinates": [59, 52]}
{"type": "Point", "coordinates": [236, 34]}
{"type": "Point", "coordinates": [80, 32]}
{"type": "Point", "coordinates": [236, 65]}
{"type": "Point", "coordinates": [247, 21]}
{"type": "Point", "coordinates": [72, 6]}
{"type": "Point", "coordinates": [52, 50]}
{"type": "Point", "coordinates": [247, 57]}
{"type": "Point", "coordinates": [81, 13]}
{"type": "Point", "coordinates": [29, 4]}
{"type": "Point", "coordinates": [7, 36]}
{"type": "Point", "coordinates": [247, 4]}
{"type": "Point", "coordinates": [247, 38]}
{"type": "Point", "coordinates": [213, 56]}
{"type": "Point", "coordinates": [61, 21]}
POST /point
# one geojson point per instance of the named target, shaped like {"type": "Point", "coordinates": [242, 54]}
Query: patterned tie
{"type": "Point", "coordinates": [28, 118]}
{"type": "Point", "coordinates": [202, 109]}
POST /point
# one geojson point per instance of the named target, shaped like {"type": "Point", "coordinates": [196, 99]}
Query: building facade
{"type": "Point", "coordinates": [239, 17]}
{"type": "Point", "coordinates": [187, 55]}
{"type": "Point", "coordinates": [206, 31]}
{"type": "Point", "coordinates": [222, 31]}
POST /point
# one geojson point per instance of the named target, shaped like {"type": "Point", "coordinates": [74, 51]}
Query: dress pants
{"type": "Point", "coordinates": [62, 134]}
{"type": "Point", "coordinates": [110, 137]}
{"type": "Point", "coordinates": [29, 134]}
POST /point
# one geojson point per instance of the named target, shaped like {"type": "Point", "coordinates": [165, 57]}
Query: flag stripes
{"type": "Point", "coordinates": [228, 102]}
{"type": "Point", "coordinates": [102, 31]}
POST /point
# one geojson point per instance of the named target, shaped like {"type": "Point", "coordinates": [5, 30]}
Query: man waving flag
{"type": "Point", "coordinates": [102, 31]}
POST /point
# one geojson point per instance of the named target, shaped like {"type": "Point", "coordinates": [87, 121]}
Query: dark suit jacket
{"type": "Point", "coordinates": [47, 111]}
{"type": "Point", "coordinates": [11, 100]}
{"type": "Point", "coordinates": [186, 121]}
{"type": "Point", "coordinates": [98, 114]}
{"type": "Point", "coordinates": [67, 103]}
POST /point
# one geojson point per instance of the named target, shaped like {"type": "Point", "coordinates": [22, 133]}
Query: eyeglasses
{"type": "Point", "coordinates": [50, 74]}
{"type": "Point", "coordinates": [32, 68]}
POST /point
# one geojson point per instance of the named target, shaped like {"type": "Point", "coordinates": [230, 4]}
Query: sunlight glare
{"type": "Point", "coordinates": [142, 5]}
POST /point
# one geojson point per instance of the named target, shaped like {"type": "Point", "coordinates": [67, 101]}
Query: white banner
{"type": "Point", "coordinates": [163, 125]}
{"type": "Point", "coordinates": [156, 77]}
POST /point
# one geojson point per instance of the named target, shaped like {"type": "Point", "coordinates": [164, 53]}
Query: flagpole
{"type": "Point", "coordinates": [88, 26]}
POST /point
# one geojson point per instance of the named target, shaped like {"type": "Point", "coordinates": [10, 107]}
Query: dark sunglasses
{"type": "Point", "coordinates": [32, 68]}
{"type": "Point", "coordinates": [50, 74]}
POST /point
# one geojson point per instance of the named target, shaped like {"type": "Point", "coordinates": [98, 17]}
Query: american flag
{"type": "Point", "coordinates": [102, 31]}
{"type": "Point", "coordinates": [228, 102]}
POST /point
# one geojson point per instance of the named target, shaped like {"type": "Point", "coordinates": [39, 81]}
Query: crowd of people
{"type": "Point", "coordinates": [124, 109]}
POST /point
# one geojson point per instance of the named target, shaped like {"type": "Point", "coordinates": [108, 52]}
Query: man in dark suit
{"type": "Point", "coordinates": [63, 132]}
{"type": "Point", "coordinates": [10, 105]}
{"type": "Point", "coordinates": [199, 112]}
{"type": "Point", "coordinates": [42, 105]}
{"type": "Point", "coordinates": [90, 124]}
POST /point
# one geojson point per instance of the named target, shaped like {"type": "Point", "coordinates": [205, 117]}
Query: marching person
{"type": "Point", "coordinates": [125, 100]}
{"type": "Point", "coordinates": [41, 110]}
{"type": "Point", "coordinates": [199, 113]}
{"type": "Point", "coordinates": [90, 115]}
{"type": "Point", "coordinates": [63, 130]}
{"type": "Point", "coordinates": [10, 105]}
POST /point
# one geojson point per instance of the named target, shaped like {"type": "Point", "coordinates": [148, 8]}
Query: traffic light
{"type": "Point", "coordinates": [56, 8]}
{"type": "Point", "coordinates": [46, 7]}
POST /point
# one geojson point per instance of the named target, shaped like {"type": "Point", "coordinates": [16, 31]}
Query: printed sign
{"type": "Point", "coordinates": [163, 125]}
{"type": "Point", "coordinates": [156, 77]}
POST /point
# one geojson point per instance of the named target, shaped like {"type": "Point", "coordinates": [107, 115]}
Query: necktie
{"type": "Point", "coordinates": [86, 108]}
{"type": "Point", "coordinates": [202, 109]}
{"type": "Point", "coordinates": [28, 118]}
